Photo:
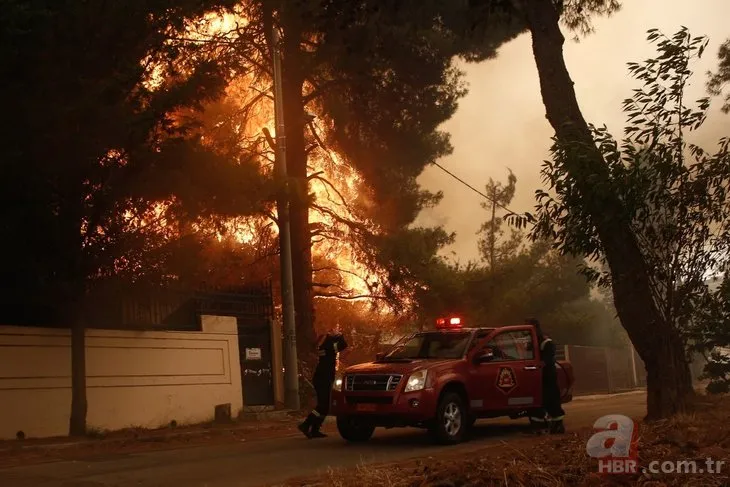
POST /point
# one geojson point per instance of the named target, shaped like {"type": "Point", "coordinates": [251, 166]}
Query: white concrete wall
{"type": "Point", "coordinates": [134, 378]}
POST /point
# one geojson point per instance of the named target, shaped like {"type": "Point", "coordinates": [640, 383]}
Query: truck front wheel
{"type": "Point", "coordinates": [451, 420]}
{"type": "Point", "coordinates": [353, 430]}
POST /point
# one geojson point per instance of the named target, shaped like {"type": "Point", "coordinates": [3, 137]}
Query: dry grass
{"type": "Point", "coordinates": [136, 440]}
{"type": "Point", "coordinates": [557, 461]}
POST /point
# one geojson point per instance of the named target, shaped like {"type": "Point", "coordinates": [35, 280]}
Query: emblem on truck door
{"type": "Point", "coordinates": [506, 380]}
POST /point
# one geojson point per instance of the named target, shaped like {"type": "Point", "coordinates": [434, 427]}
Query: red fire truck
{"type": "Point", "coordinates": [444, 380]}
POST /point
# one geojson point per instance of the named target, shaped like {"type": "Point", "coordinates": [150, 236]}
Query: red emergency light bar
{"type": "Point", "coordinates": [453, 322]}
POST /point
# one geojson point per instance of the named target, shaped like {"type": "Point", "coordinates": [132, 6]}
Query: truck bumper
{"type": "Point", "coordinates": [386, 409]}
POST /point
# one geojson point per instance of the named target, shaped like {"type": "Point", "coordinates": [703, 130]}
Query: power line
{"type": "Point", "coordinates": [472, 187]}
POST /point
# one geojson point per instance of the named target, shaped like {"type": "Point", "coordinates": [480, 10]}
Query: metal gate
{"type": "Point", "coordinates": [253, 309]}
{"type": "Point", "coordinates": [254, 344]}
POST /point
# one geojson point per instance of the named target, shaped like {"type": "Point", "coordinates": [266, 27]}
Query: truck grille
{"type": "Point", "coordinates": [381, 382]}
{"type": "Point", "coordinates": [369, 400]}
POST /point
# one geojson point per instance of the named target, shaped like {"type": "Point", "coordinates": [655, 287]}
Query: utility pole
{"type": "Point", "coordinates": [291, 376]}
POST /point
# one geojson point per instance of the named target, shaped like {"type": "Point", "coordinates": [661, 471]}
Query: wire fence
{"type": "Point", "coordinates": [603, 370]}
{"type": "Point", "coordinates": [170, 308]}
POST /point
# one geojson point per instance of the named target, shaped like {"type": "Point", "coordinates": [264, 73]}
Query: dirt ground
{"type": "Point", "coordinates": [32, 451]}
{"type": "Point", "coordinates": [562, 460]}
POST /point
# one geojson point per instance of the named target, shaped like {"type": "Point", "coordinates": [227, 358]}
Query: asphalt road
{"type": "Point", "coordinates": [267, 462]}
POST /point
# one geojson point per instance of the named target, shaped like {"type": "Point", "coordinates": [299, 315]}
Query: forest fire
{"type": "Point", "coordinates": [332, 181]}
{"type": "Point", "coordinates": [143, 189]}
{"type": "Point", "coordinates": [245, 249]}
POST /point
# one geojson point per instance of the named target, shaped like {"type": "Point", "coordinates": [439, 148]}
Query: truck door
{"type": "Point", "coordinates": [512, 379]}
{"type": "Point", "coordinates": [531, 368]}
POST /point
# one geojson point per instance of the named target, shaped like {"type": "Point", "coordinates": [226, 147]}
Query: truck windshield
{"type": "Point", "coordinates": [430, 345]}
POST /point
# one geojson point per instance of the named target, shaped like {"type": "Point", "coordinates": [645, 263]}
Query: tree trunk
{"type": "Point", "coordinates": [70, 294]}
{"type": "Point", "coordinates": [77, 423]}
{"type": "Point", "coordinates": [293, 85]}
{"type": "Point", "coordinates": [493, 229]}
{"type": "Point", "coordinates": [668, 378]}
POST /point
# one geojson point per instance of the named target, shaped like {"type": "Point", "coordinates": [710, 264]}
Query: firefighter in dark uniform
{"type": "Point", "coordinates": [328, 347]}
{"type": "Point", "coordinates": [552, 414]}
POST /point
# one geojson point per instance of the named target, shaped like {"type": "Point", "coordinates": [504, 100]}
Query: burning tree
{"type": "Point", "coordinates": [98, 173]}
{"type": "Point", "coordinates": [112, 171]}
{"type": "Point", "coordinates": [380, 80]}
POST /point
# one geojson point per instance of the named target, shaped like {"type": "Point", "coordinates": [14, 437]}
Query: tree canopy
{"type": "Point", "coordinates": [97, 168]}
{"type": "Point", "coordinates": [136, 155]}
{"type": "Point", "coordinates": [500, 195]}
{"type": "Point", "coordinates": [672, 193]}
{"type": "Point", "coordinates": [100, 173]}
{"type": "Point", "coordinates": [719, 79]}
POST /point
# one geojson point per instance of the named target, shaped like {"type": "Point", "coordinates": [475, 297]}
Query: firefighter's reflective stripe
{"type": "Point", "coordinates": [537, 420]}
{"type": "Point", "coordinates": [314, 411]}
{"type": "Point", "coordinates": [556, 418]}
{"type": "Point", "coordinates": [335, 345]}
{"type": "Point", "coordinates": [544, 342]}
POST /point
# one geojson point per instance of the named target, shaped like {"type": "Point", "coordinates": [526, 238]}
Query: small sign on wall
{"type": "Point", "coordinates": [253, 354]}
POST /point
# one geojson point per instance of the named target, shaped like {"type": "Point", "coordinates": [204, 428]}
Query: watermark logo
{"type": "Point", "coordinates": [614, 445]}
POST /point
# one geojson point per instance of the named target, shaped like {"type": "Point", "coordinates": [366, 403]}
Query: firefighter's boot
{"type": "Point", "coordinates": [316, 433]}
{"type": "Point", "coordinates": [537, 426]}
{"type": "Point", "coordinates": [306, 426]}
{"type": "Point", "coordinates": [557, 427]}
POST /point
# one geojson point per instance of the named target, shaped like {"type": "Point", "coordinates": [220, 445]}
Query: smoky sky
{"type": "Point", "coordinates": [501, 123]}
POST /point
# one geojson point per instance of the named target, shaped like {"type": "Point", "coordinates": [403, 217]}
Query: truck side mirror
{"type": "Point", "coordinates": [379, 356]}
{"type": "Point", "coordinates": [485, 356]}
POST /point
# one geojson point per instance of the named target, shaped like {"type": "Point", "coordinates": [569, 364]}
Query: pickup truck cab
{"type": "Point", "coordinates": [444, 380]}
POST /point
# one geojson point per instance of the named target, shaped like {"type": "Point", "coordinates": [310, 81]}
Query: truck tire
{"type": "Point", "coordinates": [352, 430]}
{"type": "Point", "coordinates": [452, 420]}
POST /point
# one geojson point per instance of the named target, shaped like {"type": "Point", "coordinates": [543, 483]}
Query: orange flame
{"type": "Point", "coordinates": [333, 184]}
{"type": "Point", "coordinates": [333, 181]}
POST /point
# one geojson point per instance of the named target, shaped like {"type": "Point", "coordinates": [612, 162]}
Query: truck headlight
{"type": "Point", "coordinates": [337, 385]}
{"type": "Point", "coordinates": [417, 381]}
